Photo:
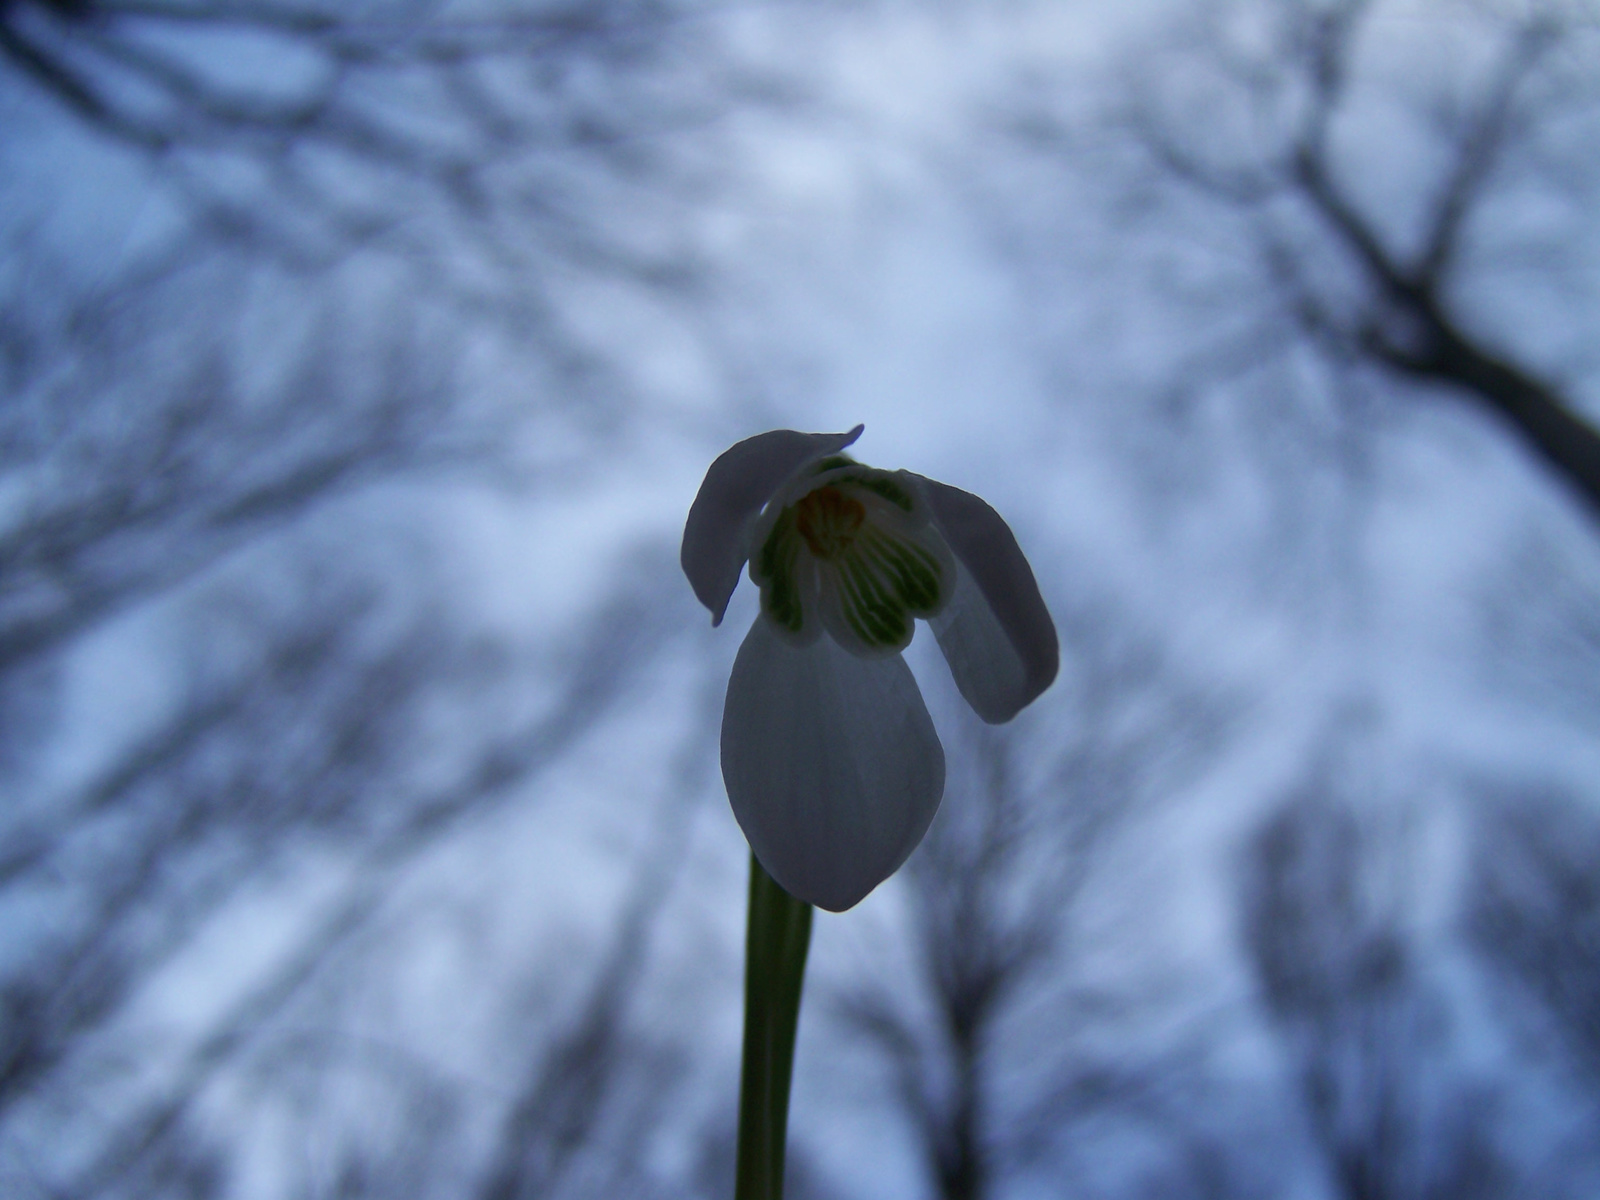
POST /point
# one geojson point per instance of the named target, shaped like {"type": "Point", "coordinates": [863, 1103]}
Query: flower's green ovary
{"type": "Point", "coordinates": [881, 485]}
{"type": "Point", "coordinates": [888, 489]}
{"type": "Point", "coordinates": [832, 461]}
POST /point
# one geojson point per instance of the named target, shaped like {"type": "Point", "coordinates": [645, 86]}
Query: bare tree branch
{"type": "Point", "coordinates": [607, 664]}
{"type": "Point", "coordinates": [1406, 321]}
{"type": "Point", "coordinates": [1409, 326]}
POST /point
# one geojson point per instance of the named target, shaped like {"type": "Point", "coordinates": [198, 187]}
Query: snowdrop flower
{"type": "Point", "coordinates": [831, 762]}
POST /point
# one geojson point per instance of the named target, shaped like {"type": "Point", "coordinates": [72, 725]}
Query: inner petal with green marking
{"type": "Point", "coordinates": [854, 556]}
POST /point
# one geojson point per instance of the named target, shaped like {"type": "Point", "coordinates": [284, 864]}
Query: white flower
{"type": "Point", "coordinates": [831, 762]}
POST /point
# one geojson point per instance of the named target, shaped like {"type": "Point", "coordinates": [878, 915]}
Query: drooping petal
{"type": "Point", "coordinates": [996, 632]}
{"type": "Point", "coordinates": [831, 763]}
{"type": "Point", "coordinates": [716, 537]}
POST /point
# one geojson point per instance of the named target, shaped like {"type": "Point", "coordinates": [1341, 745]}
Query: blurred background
{"type": "Point", "coordinates": [362, 831]}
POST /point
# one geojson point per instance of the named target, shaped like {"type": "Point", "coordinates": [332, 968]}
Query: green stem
{"type": "Point", "coordinates": [775, 970]}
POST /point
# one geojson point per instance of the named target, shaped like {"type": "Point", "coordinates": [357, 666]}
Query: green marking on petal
{"type": "Point", "coordinates": [780, 590]}
{"type": "Point", "coordinates": [875, 612]}
{"type": "Point", "coordinates": [916, 573]}
{"type": "Point", "coordinates": [878, 573]}
{"type": "Point", "coordinates": [884, 581]}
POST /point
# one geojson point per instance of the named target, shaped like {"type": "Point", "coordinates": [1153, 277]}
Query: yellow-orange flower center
{"type": "Point", "coordinates": [829, 520]}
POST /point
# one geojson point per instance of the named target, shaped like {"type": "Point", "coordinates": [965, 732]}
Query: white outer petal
{"type": "Point", "coordinates": [996, 632]}
{"type": "Point", "coordinates": [831, 762]}
{"type": "Point", "coordinates": [716, 537]}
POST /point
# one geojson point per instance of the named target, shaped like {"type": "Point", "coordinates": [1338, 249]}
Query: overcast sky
{"type": "Point", "coordinates": [929, 218]}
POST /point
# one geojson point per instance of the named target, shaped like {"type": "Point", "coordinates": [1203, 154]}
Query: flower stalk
{"type": "Point", "coordinates": [778, 935]}
{"type": "Point", "coordinates": [833, 767]}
